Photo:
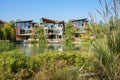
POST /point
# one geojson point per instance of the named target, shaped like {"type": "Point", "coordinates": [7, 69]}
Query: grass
{"type": "Point", "coordinates": [107, 52]}
{"type": "Point", "coordinates": [106, 48]}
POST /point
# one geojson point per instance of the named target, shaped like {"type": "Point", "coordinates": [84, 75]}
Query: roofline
{"type": "Point", "coordinates": [52, 21]}
{"type": "Point", "coordinates": [79, 19]}
{"type": "Point", "coordinates": [24, 21]}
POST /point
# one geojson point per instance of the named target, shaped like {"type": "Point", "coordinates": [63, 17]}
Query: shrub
{"type": "Point", "coordinates": [51, 65]}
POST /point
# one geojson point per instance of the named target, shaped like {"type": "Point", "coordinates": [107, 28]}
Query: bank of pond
{"type": "Point", "coordinates": [44, 61]}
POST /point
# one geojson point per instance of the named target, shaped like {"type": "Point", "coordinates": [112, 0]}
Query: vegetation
{"type": "Point", "coordinates": [69, 31]}
{"type": "Point", "coordinates": [107, 48]}
{"type": "Point", "coordinates": [7, 31]}
{"type": "Point", "coordinates": [47, 66]}
{"type": "Point", "coordinates": [102, 63]}
{"type": "Point", "coordinates": [40, 32]}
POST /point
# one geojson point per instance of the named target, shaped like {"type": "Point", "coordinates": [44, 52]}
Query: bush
{"type": "Point", "coordinates": [51, 65]}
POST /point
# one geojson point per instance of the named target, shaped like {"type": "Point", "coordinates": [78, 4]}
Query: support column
{"type": "Point", "coordinates": [56, 37]}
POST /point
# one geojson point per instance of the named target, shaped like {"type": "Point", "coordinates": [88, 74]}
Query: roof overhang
{"type": "Point", "coordinates": [52, 21]}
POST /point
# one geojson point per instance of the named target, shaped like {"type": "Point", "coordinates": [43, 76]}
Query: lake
{"type": "Point", "coordinates": [35, 48]}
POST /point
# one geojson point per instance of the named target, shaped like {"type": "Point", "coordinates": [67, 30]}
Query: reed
{"type": "Point", "coordinates": [107, 49]}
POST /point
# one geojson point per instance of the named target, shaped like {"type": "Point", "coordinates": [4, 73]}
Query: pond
{"type": "Point", "coordinates": [34, 48]}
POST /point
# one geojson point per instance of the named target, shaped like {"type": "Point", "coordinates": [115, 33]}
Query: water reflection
{"type": "Point", "coordinates": [6, 46]}
{"type": "Point", "coordinates": [55, 46]}
{"type": "Point", "coordinates": [31, 49]}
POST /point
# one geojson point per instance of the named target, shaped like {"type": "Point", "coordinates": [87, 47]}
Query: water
{"type": "Point", "coordinates": [36, 48]}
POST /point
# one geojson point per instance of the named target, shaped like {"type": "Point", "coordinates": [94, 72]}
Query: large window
{"type": "Point", "coordinates": [78, 23]}
{"type": "Point", "coordinates": [27, 25]}
{"type": "Point", "coordinates": [23, 25]}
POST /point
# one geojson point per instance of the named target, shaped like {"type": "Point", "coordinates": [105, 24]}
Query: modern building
{"type": "Point", "coordinates": [25, 30]}
{"type": "Point", "coordinates": [53, 29]}
{"type": "Point", "coordinates": [79, 25]}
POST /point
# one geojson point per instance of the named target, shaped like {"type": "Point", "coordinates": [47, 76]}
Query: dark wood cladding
{"type": "Point", "coordinates": [24, 21]}
{"type": "Point", "coordinates": [84, 19]}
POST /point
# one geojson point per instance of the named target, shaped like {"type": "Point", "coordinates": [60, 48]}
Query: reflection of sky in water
{"type": "Point", "coordinates": [31, 49]}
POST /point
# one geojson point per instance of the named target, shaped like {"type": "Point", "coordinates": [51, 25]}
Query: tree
{"type": "Point", "coordinates": [12, 29]}
{"type": "Point", "coordinates": [4, 31]}
{"type": "Point", "coordinates": [40, 32]}
{"type": "Point", "coordinates": [69, 31]}
{"type": "Point", "coordinates": [1, 33]}
{"type": "Point", "coordinates": [7, 30]}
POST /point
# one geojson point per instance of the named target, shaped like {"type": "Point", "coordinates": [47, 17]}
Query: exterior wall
{"type": "Point", "coordinates": [18, 38]}
{"type": "Point", "coordinates": [79, 24]}
{"type": "Point", "coordinates": [85, 23]}
{"type": "Point", "coordinates": [24, 30]}
{"type": "Point", "coordinates": [54, 30]}
{"type": "Point", "coordinates": [17, 30]}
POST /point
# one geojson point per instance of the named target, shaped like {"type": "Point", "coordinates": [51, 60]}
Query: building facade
{"type": "Point", "coordinates": [79, 25]}
{"type": "Point", "coordinates": [53, 30]}
{"type": "Point", "coordinates": [25, 30]}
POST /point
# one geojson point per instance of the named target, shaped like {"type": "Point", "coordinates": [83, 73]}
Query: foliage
{"type": "Point", "coordinates": [7, 31]}
{"type": "Point", "coordinates": [69, 31]}
{"type": "Point", "coordinates": [40, 32]}
{"type": "Point", "coordinates": [9, 47]}
{"type": "Point", "coordinates": [50, 65]}
{"type": "Point", "coordinates": [107, 49]}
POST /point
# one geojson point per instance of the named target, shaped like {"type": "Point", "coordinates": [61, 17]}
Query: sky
{"type": "Point", "coordinates": [52, 9]}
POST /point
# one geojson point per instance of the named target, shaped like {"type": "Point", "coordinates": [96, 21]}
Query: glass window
{"type": "Point", "coordinates": [27, 25]}
{"type": "Point", "coordinates": [21, 25]}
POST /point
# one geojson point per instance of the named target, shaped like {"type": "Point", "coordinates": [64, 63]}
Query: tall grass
{"type": "Point", "coordinates": [107, 49]}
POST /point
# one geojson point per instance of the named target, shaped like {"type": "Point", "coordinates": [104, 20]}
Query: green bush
{"type": "Point", "coordinates": [51, 65]}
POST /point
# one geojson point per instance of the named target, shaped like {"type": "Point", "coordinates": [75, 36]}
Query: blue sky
{"type": "Point", "coordinates": [53, 9]}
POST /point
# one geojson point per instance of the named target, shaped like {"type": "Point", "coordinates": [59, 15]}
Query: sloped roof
{"type": "Point", "coordinates": [24, 21]}
{"type": "Point", "coordinates": [52, 21]}
{"type": "Point", "coordinates": [83, 19]}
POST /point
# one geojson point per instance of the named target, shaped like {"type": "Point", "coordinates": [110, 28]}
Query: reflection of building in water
{"type": "Point", "coordinates": [27, 48]}
{"type": "Point", "coordinates": [58, 47]}
{"type": "Point", "coordinates": [32, 49]}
